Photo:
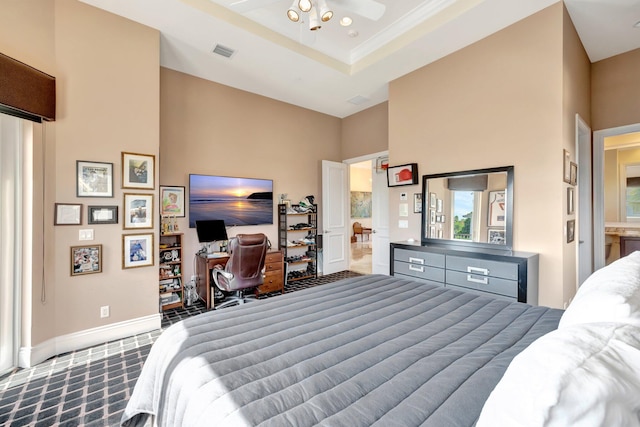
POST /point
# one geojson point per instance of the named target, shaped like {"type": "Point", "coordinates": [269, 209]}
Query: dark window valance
{"type": "Point", "coordinates": [26, 92]}
{"type": "Point", "coordinates": [468, 183]}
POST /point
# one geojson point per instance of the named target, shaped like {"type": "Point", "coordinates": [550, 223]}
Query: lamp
{"type": "Point", "coordinates": [317, 10]}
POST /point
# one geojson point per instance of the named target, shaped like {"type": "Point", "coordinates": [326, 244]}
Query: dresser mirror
{"type": "Point", "coordinates": [473, 208]}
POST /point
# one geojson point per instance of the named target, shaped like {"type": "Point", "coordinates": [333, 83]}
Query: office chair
{"type": "Point", "coordinates": [244, 270]}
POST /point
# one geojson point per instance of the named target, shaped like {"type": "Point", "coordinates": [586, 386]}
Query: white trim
{"type": "Point", "coordinates": [598, 188]}
{"type": "Point", "coordinates": [366, 157]}
{"type": "Point", "coordinates": [30, 356]}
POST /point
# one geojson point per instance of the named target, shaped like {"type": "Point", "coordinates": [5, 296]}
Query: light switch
{"type": "Point", "coordinates": [403, 223]}
{"type": "Point", "coordinates": [86, 234]}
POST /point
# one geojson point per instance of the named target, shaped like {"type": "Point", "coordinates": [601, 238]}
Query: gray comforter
{"type": "Point", "coordinates": [368, 351]}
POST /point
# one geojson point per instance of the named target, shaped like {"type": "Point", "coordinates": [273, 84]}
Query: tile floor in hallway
{"type": "Point", "coordinates": [91, 387]}
{"type": "Point", "coordinates": [361, 256]}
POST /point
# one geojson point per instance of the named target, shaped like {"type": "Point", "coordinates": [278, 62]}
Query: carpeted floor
{"type": "Point", "coordinates": [91, 387]}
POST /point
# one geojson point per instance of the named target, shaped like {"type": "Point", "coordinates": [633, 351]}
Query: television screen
{"type": "Point", "coordinates": [236, 201]}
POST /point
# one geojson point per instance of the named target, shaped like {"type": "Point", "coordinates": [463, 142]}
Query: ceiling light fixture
{"type": "Point", "coordinates": [317, 9]}
{"type": "Point", "coordinates": [346, 21]}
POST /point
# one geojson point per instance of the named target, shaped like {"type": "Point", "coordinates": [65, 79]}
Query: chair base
{"type": "Point", "coordinates": [238, 298]}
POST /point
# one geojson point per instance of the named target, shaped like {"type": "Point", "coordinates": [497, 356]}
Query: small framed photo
{"type": "Point", "coordinates": [417, 203]}
{"type": "Point", "coordinates": [402, 175]}
{"type": "Point", "coordinates": [137, 250]}
{"type": "Point", "coordinates": [94, 179]}
{"type": "Point", "coordinates": [439, 203]}
{"type": "Point", "coordinates": [138, 170]}
{"type": "Point", "coordinates": [137, 211]}
{"type": "Point", "coordinates": [86, 259]}
{"type": "Point", "coordinates": [443, 218]}
{"type": "Point", "coordinates": [566, 168]}
{"type": "Point", "coordinates": [432, 217]}
{"type": "Point", "coordinates": [570, 201]}
{"type": "Point", "coordinates": [171, 201]}
{"type": "Point", "coordinates": [573, 174]}
{"type": "Point", "coordinates": [433, 200]}
{"type": "Point", "coordinates": [102, 214]}
{"type": "Point", "coordinates": [68, 214]}
{"type": "Point", "coordinates": [571, 230]}
{"type": "Point", "coordinates": [496, 237]}
{"type": "Point", "coordinates": [382, 164]}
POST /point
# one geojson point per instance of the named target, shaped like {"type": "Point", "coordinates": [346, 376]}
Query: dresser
{"type": "Point", "coordinates": [508, 275]}
{"type": "Point", "coordinates": [273, 275]}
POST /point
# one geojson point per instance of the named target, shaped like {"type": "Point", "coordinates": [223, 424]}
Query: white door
{"type": "Point", "coordinates": [335, 217]}
{"type": "Point", "coordinates": [585, 224]}
{"type": "Point", "coordinates": [380, 224]}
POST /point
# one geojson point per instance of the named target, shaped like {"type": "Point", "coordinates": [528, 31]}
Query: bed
{"type": "Point", "coordinates": [373, 350]}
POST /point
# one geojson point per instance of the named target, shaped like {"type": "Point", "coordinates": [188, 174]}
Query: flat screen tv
{"type": "Point", "coordinates": [236, 201]}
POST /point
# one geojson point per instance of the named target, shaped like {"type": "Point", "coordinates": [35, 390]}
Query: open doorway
{"type": "Point", "coordinates": [369, 251]}
{"type": "Point", "coordinates": [607, 221]}
{"type": "Point", "coordinates": [360, 200]}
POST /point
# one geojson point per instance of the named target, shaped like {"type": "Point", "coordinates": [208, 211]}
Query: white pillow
{"type": "Point", "coordinates": [611, 294]}
{"type": "Point", "coordinates": [583, 375]}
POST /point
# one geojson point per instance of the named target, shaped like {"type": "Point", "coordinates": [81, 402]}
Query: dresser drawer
{"type": "Point", "coordinates": [495, 285]}
{"type": "Point", "coordinates": [417, 279]}
{"type": "Point", "coordinates": [420, 271]}
{"type": "Point", "coordinates": [272, 282]}
{"type": "Point", "coordinates": [505, 270]}
{"type": "Point", "coordinates": [477, 292]}
{"type": "Point", "coordinates": [418, 257]}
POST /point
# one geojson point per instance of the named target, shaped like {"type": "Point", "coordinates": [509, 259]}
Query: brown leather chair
{"type": "Point", "coordinates": [245, 268]}
{"type": "Point", "coordinates": [362, 231]}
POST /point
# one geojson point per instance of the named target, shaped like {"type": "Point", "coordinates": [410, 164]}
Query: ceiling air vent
{"type": "Point", "coordinates": [227, 52]}
{"type": "Point", "coordinates": [358, 100]}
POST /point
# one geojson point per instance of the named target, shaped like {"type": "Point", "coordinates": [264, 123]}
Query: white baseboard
{"type": "Point", "coordinates": [30, 356]}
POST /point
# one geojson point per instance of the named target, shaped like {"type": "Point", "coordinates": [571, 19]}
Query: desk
{"type": "Point", "coordinates": [273, 275]}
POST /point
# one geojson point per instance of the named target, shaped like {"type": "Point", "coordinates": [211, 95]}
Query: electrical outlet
{"type": "Point", "coordinates": [104, 311]}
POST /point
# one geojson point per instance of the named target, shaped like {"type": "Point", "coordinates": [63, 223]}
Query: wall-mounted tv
{"type": "Point", "coordinates": [236, 201]}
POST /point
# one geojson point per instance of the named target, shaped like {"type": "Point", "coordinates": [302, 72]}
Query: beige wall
{"type": "Point", "coordinates": [615, 89]}
{"type": "Point", "coordinates": [576, 99]}
{"type": "Point", "coordinates": [107, 80]}
{"type": "Point", "coordinates": [366, 132]}
{"type": "Point", "coordinates": [496, 103]}
{"type": "Point", "coordinates": [207, 128]}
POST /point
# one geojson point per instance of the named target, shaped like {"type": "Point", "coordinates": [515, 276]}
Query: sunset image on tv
{"type": "Point", "coordinates": [237, 201]}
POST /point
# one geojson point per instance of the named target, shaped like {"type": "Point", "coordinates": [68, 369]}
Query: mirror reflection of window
{"type": "Point", "coordinates": [466, 225]}
{"type": "Point", "coordinates": [631, 192]}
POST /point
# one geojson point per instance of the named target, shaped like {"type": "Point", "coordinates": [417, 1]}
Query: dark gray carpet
{"type": "Point", "coordinates": [91, 387]}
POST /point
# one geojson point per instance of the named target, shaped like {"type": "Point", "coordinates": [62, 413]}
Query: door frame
{"type": "Point", "coordinates": [350, 161]}
{"type": "Point", "coordinates": [585, 204]}
{"type": "Point", "coordinates": [598, 188]}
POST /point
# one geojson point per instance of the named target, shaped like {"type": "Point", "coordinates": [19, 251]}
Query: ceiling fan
{"type": "Point", "coordinates": [369, 9]}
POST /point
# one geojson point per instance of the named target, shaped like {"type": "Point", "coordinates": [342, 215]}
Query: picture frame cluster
{"type": "Point", "coordinates": [570, 176]}
{"type": "Point", "coordinates": [95, 179]}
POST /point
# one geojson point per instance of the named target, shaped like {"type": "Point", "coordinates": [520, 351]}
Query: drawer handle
{"type": "Point", "coordinates": [416, 260]}
{"type": "Point", "coordinates": [416, 268]}
{"type": "Point", "coordinates": [477, 270]}
{"type": "Point", "coordinates": [483, 281]}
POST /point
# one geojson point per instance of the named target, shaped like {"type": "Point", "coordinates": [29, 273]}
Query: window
{"type": "Point", "coordinates": [630, 192]}
{"type": "Point", "coordinates": [466, 225]}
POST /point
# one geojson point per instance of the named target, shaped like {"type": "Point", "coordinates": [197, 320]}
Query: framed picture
{"type": "Point", "coordinates": [102, 214]}
{"type": "Point", "coordinates": [402, 175]}
{"type": "Point", "coordinates": [382, 164]}
{"type": "Point", "coordinates": [137, 211]}
{"type": "Point", "coordinates": [138, 170]}
{"type": "Point", "coordinates": [571, 230]}
{"type": "Point", "coordinates": [432, 217]}
{"type": "Point", "coordinates": [497, 205]}
{"type": "Point", "coordinates": [439, 203]}
{"type": "Point", "coordinates": [443, 218]}
{"type": "Point", "coordinates": [433, 199]}
{"type": "Point", "coordinates": [86, 259]}
{"type": "Point", "coordinates": [361, 204]}
{"type": "Point", "coordinates": [67, 214]}
{"type": "Point", "coordinates": [570, 201]}
{"type": "Point", "coordinates": [432, 231]}
{"type": "Point", "coordinates": [566, 168]}
{"type": "Point", "coordinates": [137, 250]}
{"type": "Point", "coordinates": [94, 179]}
{"type": "Point", "coordinates": [573, 180]}
{"type": "Point", "coordinates": [172, 201]}
{"type": "Point", "coordinates": [417, 202]}
{"type": "Point", "coordinates": [496, 237]}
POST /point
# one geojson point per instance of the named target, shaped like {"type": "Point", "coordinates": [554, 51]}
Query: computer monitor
{"type": "Point", "coordinates": [211, 230]}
